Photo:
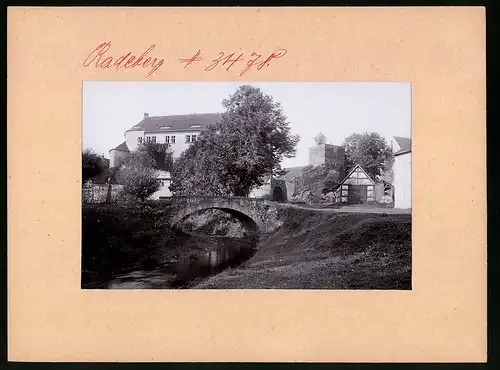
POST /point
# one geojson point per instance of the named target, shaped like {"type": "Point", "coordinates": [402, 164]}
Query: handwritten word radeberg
{"type": "Point", "coordinates": [124, 61]}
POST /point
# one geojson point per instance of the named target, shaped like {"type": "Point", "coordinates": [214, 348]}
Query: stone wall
{"type": "Point", "coordinates": [315, 183]}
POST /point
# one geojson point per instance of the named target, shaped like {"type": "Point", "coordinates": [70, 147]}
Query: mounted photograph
{"type": "Point", "coordinates": [246, 185]}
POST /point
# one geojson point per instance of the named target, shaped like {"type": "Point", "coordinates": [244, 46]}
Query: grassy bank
{"type": "Point", "coordinates": [317, 250]}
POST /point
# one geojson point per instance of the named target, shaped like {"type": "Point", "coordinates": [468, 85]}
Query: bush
{"type": "Point", "coordinates": [138, 177]}
{"type": "Point", "coordinates": [92, 164]}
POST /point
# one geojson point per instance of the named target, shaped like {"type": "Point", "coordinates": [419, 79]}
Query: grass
{"type": "Point", "coordinates": [315, 250]}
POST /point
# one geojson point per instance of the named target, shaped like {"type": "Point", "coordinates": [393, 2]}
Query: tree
{"type": "Point", "coordinates": [159, 153]}
{"type": "Point", "coordinates": [138, 176]}
{"type": "Point", "coordinates": [92, 164]}
{"type": "Point", "coordinates": [370, 151]}
{"type": "Point", "coordinates": [235, 155]}
{"type": "Point", "coordinates": [198, 171]}
{"type": "Point", "coordinates": [320, 139]}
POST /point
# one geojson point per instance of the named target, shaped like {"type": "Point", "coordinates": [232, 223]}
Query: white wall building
{"type": "Point", "coordinates": [178, 131]}
{"type": "Point", "coordinates": [401, 147]}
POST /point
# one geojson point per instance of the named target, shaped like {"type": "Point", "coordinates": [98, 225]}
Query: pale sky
{"type": "Point", "coordinates": [337, 109]}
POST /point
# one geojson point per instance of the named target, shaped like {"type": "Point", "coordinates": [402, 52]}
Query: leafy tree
{"type": "Point", "coordinates": [138, 176]}
{"type": "Point", "coordinates": [159, 153]}
{"type": "Point", "coordinates": [320, 139]}
{"type": "Point", "coordinates": [198, 170]}
{"type": "Point", "coordinates": [370, 150]}
{"type": "Point", "coordinates": [235, 155]}
{"type": "Point", "coordinates": [93, 164]}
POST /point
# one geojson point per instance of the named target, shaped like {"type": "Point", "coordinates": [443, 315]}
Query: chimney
{"type": "Point", "coordinates": [146, 115]}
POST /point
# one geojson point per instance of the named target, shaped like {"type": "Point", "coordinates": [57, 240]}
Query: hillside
{"type": "Point", "coordinates": [317, 250]}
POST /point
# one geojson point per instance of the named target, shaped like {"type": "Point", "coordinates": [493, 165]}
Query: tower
{"type": "Point", "coordinates": [332, 156]}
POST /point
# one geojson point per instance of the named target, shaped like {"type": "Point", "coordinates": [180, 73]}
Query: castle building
{"type": "Point", "coordinates": [177, 130]}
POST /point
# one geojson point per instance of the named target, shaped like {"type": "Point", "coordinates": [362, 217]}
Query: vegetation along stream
{"type": "Point", "coordinates": [128, 248]}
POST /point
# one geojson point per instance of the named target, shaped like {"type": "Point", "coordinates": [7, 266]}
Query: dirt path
{"type": "Point", "coordinates": [352, 209]}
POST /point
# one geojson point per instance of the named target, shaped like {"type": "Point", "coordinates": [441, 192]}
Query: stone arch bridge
{"type": "Point", "coordinates": [255, 214]}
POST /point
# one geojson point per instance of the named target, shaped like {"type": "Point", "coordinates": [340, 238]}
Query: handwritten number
{"type": "Point", "coordinates": [215, 62]}
{"type": "Point", "coordinates": [228, 60]}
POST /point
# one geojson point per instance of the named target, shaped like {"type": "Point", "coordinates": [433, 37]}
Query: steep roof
{"type": "Point", "coordinates": [351, 172]}
{"type": "Point", "coordinates": [122, 147]}
{"type": "Point", "coordinates": [184, 122]}
{"type": "Point", "coordinates": [404, 144]}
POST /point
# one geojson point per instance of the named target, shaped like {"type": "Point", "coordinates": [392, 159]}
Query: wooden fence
{"type": "Point", "coordinates": [98, 193]}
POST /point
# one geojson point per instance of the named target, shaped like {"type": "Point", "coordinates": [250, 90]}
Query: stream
{"type": "Point", "coordinates": [223, 253]}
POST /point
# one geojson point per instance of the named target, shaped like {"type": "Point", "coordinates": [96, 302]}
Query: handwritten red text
{"type": "Point", "coordinates": [98, 59]}
{"type": "Point", "coordinates": [227, 61]}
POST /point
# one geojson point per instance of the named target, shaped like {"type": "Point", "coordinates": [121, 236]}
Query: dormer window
{"type": "Point", "coordinates": [165, 127]}
{"type": "Point", "coordinates": [194, 126]}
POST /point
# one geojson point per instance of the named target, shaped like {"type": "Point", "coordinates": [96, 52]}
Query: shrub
{"type": "Point", "coordinates": [138, 177]}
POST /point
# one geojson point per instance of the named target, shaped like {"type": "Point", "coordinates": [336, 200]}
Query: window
{"type": "Point", "coordinates": [193, 138]}
{"type": "Point", "coordinates": [148, 139]}
{"type": "Point", "coordinates": [188, 138]}
{"type": "Point", "coordinates": [167, 139]}
{"type": "Point", "coordinates": [154, 139]}
{"type": "Point", "coordinates": [139, 140]}
{"type": "Point", "coordinates": [172, 139]}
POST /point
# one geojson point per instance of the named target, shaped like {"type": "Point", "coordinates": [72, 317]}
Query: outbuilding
{"type": "Point", "coordinates": [357, 187]}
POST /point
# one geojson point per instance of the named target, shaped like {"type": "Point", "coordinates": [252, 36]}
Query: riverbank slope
{"type": "Point", "coordinates": [318, 250]}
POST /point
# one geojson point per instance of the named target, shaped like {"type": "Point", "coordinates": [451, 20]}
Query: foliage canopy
{"type": "Point", "coordinates": [235, 155]}
{"type": "Point", "coordinates": [371, 151]}
{"type": "Point", "coordinates": [93, 164]}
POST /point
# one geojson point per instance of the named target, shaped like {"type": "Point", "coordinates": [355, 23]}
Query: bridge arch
{"type": "Point", "coordinates": [255, 214]}
{"type": "Point", "coordinates": [248, 223]}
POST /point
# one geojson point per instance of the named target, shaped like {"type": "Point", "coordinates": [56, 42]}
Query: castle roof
{"type": "Point", "coordinates": [122, 147]}
{"type": "Point", "coordinates": [184, 122]}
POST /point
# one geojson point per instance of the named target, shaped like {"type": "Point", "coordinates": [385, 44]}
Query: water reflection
{"type": "Point", "coordinates": [185, 272]}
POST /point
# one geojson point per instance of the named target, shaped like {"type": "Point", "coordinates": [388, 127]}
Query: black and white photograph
{"type": "Point", "coordinates": [246, 185]}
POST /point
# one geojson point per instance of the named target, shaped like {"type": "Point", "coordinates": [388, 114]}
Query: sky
{"type": "Point", "coordinates": [337, 109]}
